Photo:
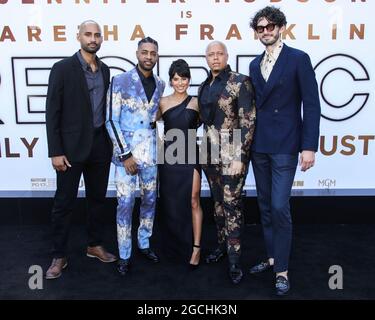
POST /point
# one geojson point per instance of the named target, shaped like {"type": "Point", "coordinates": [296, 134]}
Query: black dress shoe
{"type": "Point", "coordinates": [282, 286]}
{"type": "Point", "coordinates": [123, 266]}
{"type": "Point", "coordinates": [235, 273]}
{"type": "Point", "coordinates": [149, 254]}
{"type": "Point", "coordinates": [215, 256]}
{"type": "Point", "coordinates": [263, 266]}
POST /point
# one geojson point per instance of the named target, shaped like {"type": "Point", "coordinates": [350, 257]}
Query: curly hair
{"type": "Point", "coordinates": [272, 14]}
{"type": "Point", "coordinates": [180, 67]}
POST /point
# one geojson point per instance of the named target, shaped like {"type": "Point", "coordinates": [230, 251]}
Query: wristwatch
{"type": "Point", "coordinates": [124, 157]}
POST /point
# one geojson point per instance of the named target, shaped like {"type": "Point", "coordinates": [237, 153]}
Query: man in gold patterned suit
{"type": "Point", "coordinates": [227, 106]}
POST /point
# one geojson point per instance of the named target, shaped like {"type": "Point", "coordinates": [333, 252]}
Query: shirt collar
{"type": "Point", "coordinates": [84, 64]}
{"type": "Point", "coordinates": [142, 76]}
{"type": "Point", "coordinates": [222, 75]}
{"type": "Point", "coordinates": [274, 54]}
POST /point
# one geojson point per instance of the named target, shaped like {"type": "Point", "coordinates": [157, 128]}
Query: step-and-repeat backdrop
{"type": "Point", "coordinates": [337, 34]}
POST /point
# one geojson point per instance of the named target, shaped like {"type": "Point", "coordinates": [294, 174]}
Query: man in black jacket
{"type": "Point", "coordinates": [78, 142]}
{"type": "Point", "coordinates": [227, 109]}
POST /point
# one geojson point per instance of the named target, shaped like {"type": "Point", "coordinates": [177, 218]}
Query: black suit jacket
{"type": "Point", "coordinates": [232, 108]}
{"type": "Point", "coordinates": [69, 119]}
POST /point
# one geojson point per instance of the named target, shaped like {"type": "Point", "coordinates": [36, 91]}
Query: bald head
{"type": "Point", "coordinates": [217, 44]}
{"type": "Point", "coordinates": [84, 24]}
{"type": "Point", "coordinates": [90, 36]}
{"type": "Point", "coordinates": [216, 57]}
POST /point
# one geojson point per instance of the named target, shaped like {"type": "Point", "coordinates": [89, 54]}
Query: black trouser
{"type": "Point", "coordinates": [95, 172]}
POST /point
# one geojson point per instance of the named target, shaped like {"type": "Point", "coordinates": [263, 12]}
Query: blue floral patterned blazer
{"type": "Point", "coordinates": [129, 117]}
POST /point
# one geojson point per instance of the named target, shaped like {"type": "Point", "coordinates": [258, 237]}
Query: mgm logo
{"type": "Point", "coordinates": [327, 183]}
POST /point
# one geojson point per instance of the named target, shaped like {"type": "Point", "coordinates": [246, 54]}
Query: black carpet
{"type": "Point", "coordinates": [315, 248]}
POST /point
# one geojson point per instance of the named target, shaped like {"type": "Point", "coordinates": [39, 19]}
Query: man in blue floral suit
{"type": "Point", "coordinates": [132, 104]}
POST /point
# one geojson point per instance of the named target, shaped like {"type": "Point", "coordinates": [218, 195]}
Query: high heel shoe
{"type": "Point", "coordinates": [195, 266]}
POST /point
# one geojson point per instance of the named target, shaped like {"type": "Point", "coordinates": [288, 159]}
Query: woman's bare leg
{"type": "Point", "coordinates": [197, 217]}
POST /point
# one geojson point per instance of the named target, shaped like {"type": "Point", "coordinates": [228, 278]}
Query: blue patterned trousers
{"type": "Point", "coordinates": [126, 191]}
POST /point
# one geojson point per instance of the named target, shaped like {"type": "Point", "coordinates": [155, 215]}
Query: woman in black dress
{"type": "Point", "coordinates": [180, 175]}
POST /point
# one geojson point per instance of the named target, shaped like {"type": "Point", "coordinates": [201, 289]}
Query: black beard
{"type": "Point", "coordinates": [146, 68]}
{"type": "Point", "coordinates": [271, 43]}
{"type": "Point", "coordinates": [90, 50]}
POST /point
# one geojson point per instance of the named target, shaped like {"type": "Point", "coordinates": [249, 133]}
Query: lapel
{"type": "Point", "coordinates": [258, 72]}
{"type": "Point", "coordinates": [223, 83]}
{"type": "Point", "coordinates": [200, 90]}
{"type": "Point", "coordinates": [257, 78]}
{"type": "Point", "coordinates": [82, 80]}
{"type": "Point", "coordinates": [275, 74]}
{"type": "Point", "coordinates": [157, 89]}
{"type": "Point", "coordinates": [105, 76]}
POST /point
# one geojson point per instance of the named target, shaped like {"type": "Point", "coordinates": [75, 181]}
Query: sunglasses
{"type": "Point", "coordinates": [269, 27]}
